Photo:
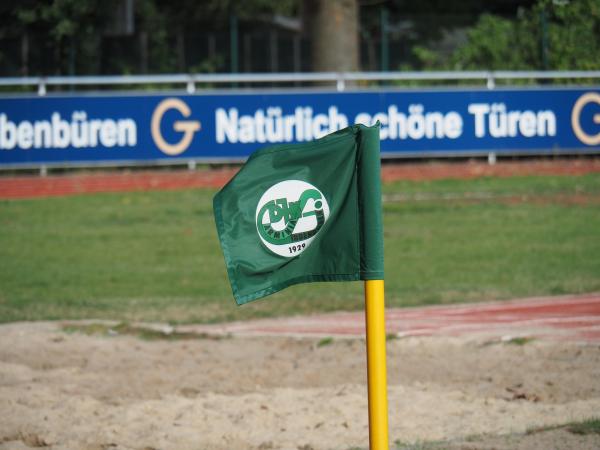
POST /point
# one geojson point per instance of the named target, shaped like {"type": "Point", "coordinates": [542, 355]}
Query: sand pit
{"type": "Point", "coordinates": [63, 390]}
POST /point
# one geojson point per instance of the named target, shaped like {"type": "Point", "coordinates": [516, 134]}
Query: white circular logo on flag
{"type": "Point", "coordinates": [289, 215]}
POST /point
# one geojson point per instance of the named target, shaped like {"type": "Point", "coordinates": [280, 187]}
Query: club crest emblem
{"type": "Point", "coordinates": [289, 215]}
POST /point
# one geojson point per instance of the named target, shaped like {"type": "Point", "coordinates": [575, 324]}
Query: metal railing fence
{"type": "Point", "coordinates": [340, 80]}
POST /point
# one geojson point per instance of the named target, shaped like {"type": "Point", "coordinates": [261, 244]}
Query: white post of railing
{"type": "Point", "coordinates": [491, 83]}
{"type": "Point", "coordinates": [42, 87]}
{"type": "Point", "coordinates": [341, 83]}
{"type": "Point", "coordinates": [191, 86]}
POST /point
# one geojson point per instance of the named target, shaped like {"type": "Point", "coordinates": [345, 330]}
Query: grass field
{"type": "Point", "coordinates": [154, 255]}
{"type": "Point", "coordinates": [571, 435]}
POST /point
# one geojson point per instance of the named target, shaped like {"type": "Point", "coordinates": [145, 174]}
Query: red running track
{"type": "Point", "coordinates": [21, 187]}
{"type": "Point", "coordinates": [572, 318]}
{"type": "Point", "coordinates": [31, 186]}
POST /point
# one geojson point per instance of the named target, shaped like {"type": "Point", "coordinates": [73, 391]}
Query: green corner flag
{"type": "Point", "coordinates": [306, 212]}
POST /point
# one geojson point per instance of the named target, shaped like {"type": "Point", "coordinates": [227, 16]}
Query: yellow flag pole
{"type": "Point", "coordinates": [376, 366]}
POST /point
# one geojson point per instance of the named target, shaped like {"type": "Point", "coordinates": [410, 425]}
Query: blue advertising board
{"type": "Point", "coordinates": [126, 129]}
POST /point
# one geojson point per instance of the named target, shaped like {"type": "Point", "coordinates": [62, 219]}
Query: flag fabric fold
{"type": "Point", "coordinates": [299, 213]}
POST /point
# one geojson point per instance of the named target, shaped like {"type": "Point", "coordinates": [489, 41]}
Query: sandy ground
{"type": "Point", "coordinates": [73, 391]}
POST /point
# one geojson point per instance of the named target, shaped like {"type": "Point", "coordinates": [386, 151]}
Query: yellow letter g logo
{"type": "Point", "coordinates": [585, 99]}
{"type": "Point", "coordinates": [187, 127]}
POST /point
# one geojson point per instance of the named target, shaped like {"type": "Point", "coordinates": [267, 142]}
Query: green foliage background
{"type": "Point", "coordinates": [551, 35]}
{"type": "Point", "coordinates": [77, 36]}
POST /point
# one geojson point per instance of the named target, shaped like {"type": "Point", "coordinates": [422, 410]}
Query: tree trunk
{"type": "Point", "coordinates": [332, 27]}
